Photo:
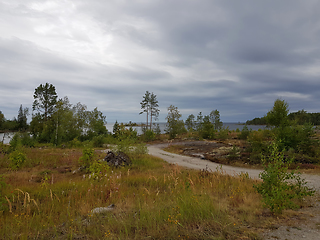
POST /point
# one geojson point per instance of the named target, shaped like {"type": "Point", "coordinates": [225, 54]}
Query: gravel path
{"type": "Point", "coordinates": [307, 226]}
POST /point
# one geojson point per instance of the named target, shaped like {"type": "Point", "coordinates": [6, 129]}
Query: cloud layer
{"type": "Point", "coordinates": [234, 56]}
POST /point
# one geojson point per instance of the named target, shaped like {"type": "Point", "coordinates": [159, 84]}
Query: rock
{"type": "Point", "coordinates": [102, 210]}
{"type": "Point", "coordinates": [117, 160]}
{"type": "Point", "coordinates": [198, 155]}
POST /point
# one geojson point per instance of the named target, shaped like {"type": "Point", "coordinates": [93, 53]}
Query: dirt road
{"type": "Point", "coordinates": [305, 226]}
{"type": "Point", "coordinates": [197, 163]}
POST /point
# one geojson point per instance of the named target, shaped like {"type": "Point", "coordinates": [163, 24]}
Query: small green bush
{"type": "Point", "coordinates": [17, 159]}
{"type": "Point", "coordinates": [15, 142]}
{"type": "Point", "coordinates": [87, 158]}
{"type": "Point", "coordinates": [149, 135]}
{"type": "Point", "coordinates": [280, 189]}
{"type": "Point", "coordinates": [75, 143]}
{"type": "Point", "coordinates": [140, 149]}
{"type": "Point", "coordinates": [98, 170]}
{"type": "Point", "coordinates": [27, 140]}
{"type": "Point", "coordinates": [244, 134]}
{"type": "Point", "coordinates": [223, 133]}
{"type": "Point", "coordinates": [98, 141]}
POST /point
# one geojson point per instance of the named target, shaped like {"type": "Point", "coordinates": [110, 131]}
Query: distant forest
{"type": "Point", "coordinates": [301, 117]}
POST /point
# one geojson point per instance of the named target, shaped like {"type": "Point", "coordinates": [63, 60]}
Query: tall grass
{"type": "Point", "coordinates": [153, 199]}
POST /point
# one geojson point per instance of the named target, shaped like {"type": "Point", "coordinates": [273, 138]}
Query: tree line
{"type": "Point", "coordinates": [55, 120]}
{"type": "Point", "coordinates": [205, 126]}
{"type": "Point", "coordinates": [16, 124]}
{"type": "Point", "coordinates": [300, 117]}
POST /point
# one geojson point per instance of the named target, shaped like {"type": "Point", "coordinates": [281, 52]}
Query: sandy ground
{"type": "Point", "coordinates": [304, 225]}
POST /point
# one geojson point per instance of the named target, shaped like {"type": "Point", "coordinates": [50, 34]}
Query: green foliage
{"type": "Point", "coordinates": [21, 139]}
{"type": "Point", "coordinates": [190, 122]}
{"type": "Point", "coordinates": [302, 117]}
{"type": "Point", "coordinates": [11, 125]}
{"type": "Point", "coordinates": [258, 145]}
{"type": "Point", "coordinates": [207, 130]}
{"type": "Point", "coordinates": [98, 141]}
{"type": "Point", "coordinates": [149, 135]}
{"type": "Point", "coordinates": [120, 132]}
{"type": "Point", "coordinates": [59, 122]}
{"type": "Point", "coordinates": [124, 145]}
{"type": "Point", "coordinates": [98, 170]}
{"type": "Point", "coordinates": [116, 129]}
{"type": "Point", "coordinates": [75, 143]}
{"type": "Point", "coordinates": [223, 133]}
{"type": "Point", "coordinates": [296, 137]}
{"type": "Point", "coordinates": [215, 119]}
{"type": "Point", "coordinates": [15, 142]}
{"type": "Point", "coordinates": [27, 140]}
{"type": "Point", "coordinates": [257, 121]}
{"type": "Point", "coordinates": [149, 105]}
{"type": "Point", "coordinates": [157, 130]}
{"type": "Point", "coordinates": [245, 132]}
{"type": "Point", "coordinates": [280, 189]}
{"type": "Point", "coordinates": [45, 99]}
{"type": "Point", "coordinates": [140, 150]}
{"type": "Point", "coordinates": [22, 118]}
{"type": "Point", "coordinates": [2, 120]}
{"type": "Point", "coordinates": [154, 108]}
{"type": "Point", "coordinates": [17, 159]}
{"type": "Point", "coordinates": [145, 105]}
{"type": "Point", "coordinates": [96, 123]}
{"type": "Point", "coordinates": [87, 158]}
{"type": "Point", "coordinates": [4, 148]}
{"type": "Point", "coordinates": [174, 124]}
{"type": "Point", "coordinates": [3, 185]}
{"type": "Point", "coordinates": [278, 115]}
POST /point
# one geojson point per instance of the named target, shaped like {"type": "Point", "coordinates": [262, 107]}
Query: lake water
{"type": "Point", "coordinates": [6, 139]}
{"type": "Point", "coordinates": [162, 125]}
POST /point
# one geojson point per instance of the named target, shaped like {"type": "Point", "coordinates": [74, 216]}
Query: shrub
{"type": "Point", "coordinates": [98, 170]}
{"type": "Point", "coordinates": [280, 188]}
{"type": "Point", "coordinates": [244, 134]}
{"type": "Point", "coordinates": [149, 135]}
{"type": "Point", "coordinates": [223, 133]}
{"type": "Point", "coordinates": [98, 141]}
{"type": "Point", "coordinates": [26, 139]}
{"type": "Point", "coordinates": [87, 158]}
{"type": "Point", "coordinates": [17, 159]}
{"type": "Point", "coordinates": [75, 143]}
{"type": "Point", "coordinates": [4, 148]}
{"type": "Point", "coordinates": [15, 142]}
{"type": "Point", "coordinates": [140, 149]}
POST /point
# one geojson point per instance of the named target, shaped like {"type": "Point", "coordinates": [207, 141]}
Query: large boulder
{"type": "Point", "coordinates": [117, 160]}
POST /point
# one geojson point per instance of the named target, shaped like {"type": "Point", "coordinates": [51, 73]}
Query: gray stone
{"type": "Point", "coordinates": [102, 210]}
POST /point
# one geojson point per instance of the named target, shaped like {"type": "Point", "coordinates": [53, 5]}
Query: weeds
{"type": "Point", "coordinates": [280, 189]}
{"type": "Point", "coordinates": [152, 198]}
{"type": "Point", "coordinates": [87, 158]}
{"type": "Point", "coordinates": [17, 159]}
{"type": "Point", "coordinates": [3, 185]}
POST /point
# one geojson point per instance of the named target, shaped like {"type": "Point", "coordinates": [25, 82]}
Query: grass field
{"type": "Point", "coordinates": [44, 199]}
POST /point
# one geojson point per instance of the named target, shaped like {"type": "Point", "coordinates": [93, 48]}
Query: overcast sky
{"type": "Point", "coordinates": [198, 55]}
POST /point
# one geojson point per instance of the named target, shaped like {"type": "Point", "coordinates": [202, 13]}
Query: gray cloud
{"type": "Point", "coordinates": [237, 57]}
